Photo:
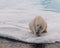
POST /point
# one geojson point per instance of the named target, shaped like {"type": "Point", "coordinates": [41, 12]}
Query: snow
{"type": "Point", "coordinates": [15, 16]}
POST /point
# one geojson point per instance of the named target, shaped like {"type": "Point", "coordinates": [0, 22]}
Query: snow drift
{"type": "Point", "coordinates": [15, 16]}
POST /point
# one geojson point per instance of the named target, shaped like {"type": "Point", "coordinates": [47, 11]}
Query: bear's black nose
{"type": "Point", "coordinates": [37, 34]}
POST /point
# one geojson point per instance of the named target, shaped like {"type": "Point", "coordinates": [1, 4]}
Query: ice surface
{"type": "Point", "coordinates": [15, 16]}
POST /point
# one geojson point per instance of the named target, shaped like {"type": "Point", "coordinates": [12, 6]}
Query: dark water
{"type": "Point", "coordinates": [51, 5]}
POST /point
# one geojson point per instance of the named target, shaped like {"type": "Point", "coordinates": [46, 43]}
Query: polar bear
{"type": "Point", "coordinates": [38, 25]}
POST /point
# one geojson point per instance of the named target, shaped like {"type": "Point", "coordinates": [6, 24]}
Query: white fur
{"type": "Point", "coordinates": [38, 23]}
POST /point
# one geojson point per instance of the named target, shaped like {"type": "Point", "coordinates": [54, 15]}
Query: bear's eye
{"type": "Point", "coordinates": [37, 24]}
{"type": "Point", "coordinates": [41, 27]}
